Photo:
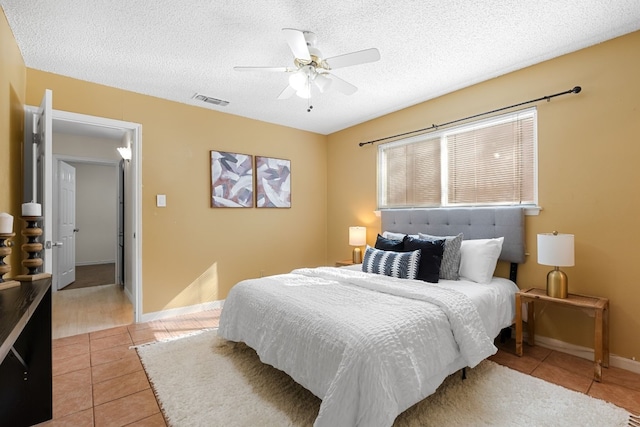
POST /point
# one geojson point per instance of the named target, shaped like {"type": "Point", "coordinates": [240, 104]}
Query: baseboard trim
{"type": "Point", "coordinates": [586, 353]}
{"type": "Point", "coordinates": [172, 312]}
{"type": "Point", "coordinates": [82, 264]}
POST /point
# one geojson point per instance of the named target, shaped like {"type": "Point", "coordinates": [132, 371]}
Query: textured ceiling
{"type": "Point", "coordinates": [173, 49]}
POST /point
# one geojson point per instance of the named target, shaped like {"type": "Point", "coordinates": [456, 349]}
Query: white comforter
{"type": "Point", "coordinates": [369, 346]}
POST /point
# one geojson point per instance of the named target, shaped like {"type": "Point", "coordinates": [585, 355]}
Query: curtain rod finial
{"type": "Point", "coordinates": [576, 89]}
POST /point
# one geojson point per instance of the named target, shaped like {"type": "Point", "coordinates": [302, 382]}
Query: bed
{"type": "Point", "coordinates": [369, 345]}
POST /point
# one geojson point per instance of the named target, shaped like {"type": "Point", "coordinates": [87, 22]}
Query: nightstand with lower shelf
{"type": "Point", "coordinates": [594, 306]}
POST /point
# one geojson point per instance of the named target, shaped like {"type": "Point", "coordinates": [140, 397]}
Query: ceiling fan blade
{"type": "Point", "coordinates": [287, 93]}
{"type": "Point", "coordinates": [341, 85]}
{"type": "Point", "coordinates": [298, 44]}
{"type": "Point", "coordinates": [281, 69]}
{"type": "Point", "coordinates": [353, 58]}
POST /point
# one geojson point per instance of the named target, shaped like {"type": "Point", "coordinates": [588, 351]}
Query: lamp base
{"type": "Point", "coordinates": [357, 256]}
{"type": "Point", "coordinates": [557, 284]}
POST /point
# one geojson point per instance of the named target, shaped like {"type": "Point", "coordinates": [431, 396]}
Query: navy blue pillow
{"type": "Point", "coordinates": [430, 257]}
{"type": "Point", "coordinates": [385, 244]}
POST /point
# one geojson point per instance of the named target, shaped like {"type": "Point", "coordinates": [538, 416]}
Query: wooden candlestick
{"type": "Point", "coordinates": [33, 262]}
{"type": "Point", "coordinates": [5, 250]}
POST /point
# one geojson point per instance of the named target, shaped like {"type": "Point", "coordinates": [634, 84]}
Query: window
{"type": "Point", "coordinates": [488, 162]}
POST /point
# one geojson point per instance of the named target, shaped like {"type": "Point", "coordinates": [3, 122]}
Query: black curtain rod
{"type": "Point", "coordinates": [576, 89]}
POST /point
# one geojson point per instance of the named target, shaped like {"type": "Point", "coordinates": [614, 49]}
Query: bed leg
{"type": "Point", "coordinates": [464, 374]}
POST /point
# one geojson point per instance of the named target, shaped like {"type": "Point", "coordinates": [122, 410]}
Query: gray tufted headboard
{"type": "Point", "coordinates": [474, 223]}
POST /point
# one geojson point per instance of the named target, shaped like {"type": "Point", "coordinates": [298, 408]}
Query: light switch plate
{"type": "Point", "coordinates": [161, 200]}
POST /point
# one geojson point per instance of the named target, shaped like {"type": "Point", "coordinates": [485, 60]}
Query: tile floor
{"type": "Point", "coordinates": [98, 379]}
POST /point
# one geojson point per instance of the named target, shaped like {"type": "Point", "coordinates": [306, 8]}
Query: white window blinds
{"type": "Point", "coordinates": [489, 162]}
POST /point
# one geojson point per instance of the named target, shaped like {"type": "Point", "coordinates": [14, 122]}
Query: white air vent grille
{"type": "Point", "coordinates": [210, 100]}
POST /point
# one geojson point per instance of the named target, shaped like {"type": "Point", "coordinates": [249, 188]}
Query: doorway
{"type": "Point", "coordinates": [120, 133]}
{"type": "Point", "coordinates": [88, 217]}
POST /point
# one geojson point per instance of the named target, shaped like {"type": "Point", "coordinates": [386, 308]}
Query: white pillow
{"type": "Point", "coordinates": [478, 258]}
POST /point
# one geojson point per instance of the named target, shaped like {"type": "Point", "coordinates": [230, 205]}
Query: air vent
{"type": "Point", "coordinates": [210, 100]}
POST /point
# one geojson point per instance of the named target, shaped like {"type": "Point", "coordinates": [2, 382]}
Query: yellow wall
{"type": "Point", "coordinates": [589, 181]}
{"type": "Point", "coordinates": [192, 253]}
{"type": "Point", "coordinates": [12, 92]}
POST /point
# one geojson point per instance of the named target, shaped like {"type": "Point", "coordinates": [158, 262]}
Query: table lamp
{"type": "Point", "coordinates": [557, 250]}
{"type": "Point", "coordinates": [357, 238]}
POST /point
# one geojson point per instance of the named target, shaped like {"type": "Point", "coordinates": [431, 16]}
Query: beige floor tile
{"type": "Point", "coordinates": [118, 387]}
{"type": "Point", "coordinates": [63, 352]}
{"type": "Point", "coordinates": [112, 354]}
{"type": "Point", "coordinates": [621, 377]}
{"type": "Point", "coordinates": [618, 395]}
{"type": "Point", "coordinates": [74, 339]}
{"type": "Point", "coordinates": [562, 377]}
{"type": "Point", "coordinates": [111, 341]}
{"type": "Point", "coordinates": [69, 364]}
{"type": "Point", "coordinates": [120, 367]}
{"type": "Point", "coordinates": [144, 336]}
{"type": "Point", "coordinates": [525, 364]}
{"type": "Point", "coordinates": [571, 363]}
{"type": "Point", "coordinates": [126, 410]}
{"type": "Point", "coordinates": [156, 420]}
{"type": "Point", "coordinates": [72, 393]}
{"type": "Point", "coordinates": [108, 332]}
{"type": "Point", "coordinates": [78, 419]}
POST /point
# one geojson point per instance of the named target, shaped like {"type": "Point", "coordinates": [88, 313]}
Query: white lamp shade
{"type": "Point", "coordinates": [556, 249]}
{"type": "Point", "coordinates": [299, 79]}
{"type": "Point", "coordinates": [323, 82]}
{"type": "Point", "coordinates": [357, 236]}
{"type": "Point", "coordinates": [304, 93]}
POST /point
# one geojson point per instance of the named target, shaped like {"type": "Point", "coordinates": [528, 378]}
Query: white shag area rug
{"type": "Point", "coordinates": [201, 380]}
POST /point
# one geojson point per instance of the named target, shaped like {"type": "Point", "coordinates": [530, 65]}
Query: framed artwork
{"type": "Point", "coordinates": [273, 182]}
{"type": "Point", "coordinates": [231, 180]}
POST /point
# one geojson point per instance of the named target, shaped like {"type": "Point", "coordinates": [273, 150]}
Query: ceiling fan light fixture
{"type": "Point", "coordinates": [299, 79]}
{"type": "Point", "coordinates": [323, 82]}
{"type": "Point", "coordinates": [304, 93]}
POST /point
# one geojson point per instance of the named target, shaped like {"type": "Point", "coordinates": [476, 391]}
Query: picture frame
{"type": "Point", "coordinates": [273, 182]}
{"type": "Point", "coordinates": [231, 180]}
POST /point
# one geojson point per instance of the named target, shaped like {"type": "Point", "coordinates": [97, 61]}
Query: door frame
{"type": "Point", "coordinates": [134, 212]}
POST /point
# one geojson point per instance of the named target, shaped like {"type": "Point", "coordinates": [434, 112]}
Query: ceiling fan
{"type": "Point", "coordinates": [311, 69]}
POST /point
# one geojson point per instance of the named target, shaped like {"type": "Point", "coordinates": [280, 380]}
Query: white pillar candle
{"type": "Point", "coordinates": [6, 223]}
{"type": "Point", "coordinates": [31, 209]}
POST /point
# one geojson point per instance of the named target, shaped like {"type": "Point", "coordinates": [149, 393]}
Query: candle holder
{"type": "Point", "coordinates": [5, 250]}
{"type": "Point", "coordinates": [33, 248]}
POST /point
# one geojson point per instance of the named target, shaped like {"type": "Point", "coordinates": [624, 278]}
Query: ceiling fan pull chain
{"type": "Point", "coordinates": [309, 106]}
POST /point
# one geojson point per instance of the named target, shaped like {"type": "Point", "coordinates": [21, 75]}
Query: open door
{"type": "Point", "coordinates": [43, 173]}
{"type": "Point", "coordinates": [65, 230]}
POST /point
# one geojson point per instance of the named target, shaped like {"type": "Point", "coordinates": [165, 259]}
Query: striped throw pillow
{"type": "Point", "coordinates": [403, 265]}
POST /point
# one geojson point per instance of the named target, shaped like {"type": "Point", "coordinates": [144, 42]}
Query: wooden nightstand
{"type": "Point", "coordinates": [594, 306]}
{"type": "Point", "coordinates": [344, 262]}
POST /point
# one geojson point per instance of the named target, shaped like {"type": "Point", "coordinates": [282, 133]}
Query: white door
{"type": "Point", "coordinates": [66, 225]}
{"type": "Point", "coordinates": [44, 176]}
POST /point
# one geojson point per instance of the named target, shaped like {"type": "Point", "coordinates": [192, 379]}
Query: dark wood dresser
{"type": "Point", "coordinates": [25, 352]}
